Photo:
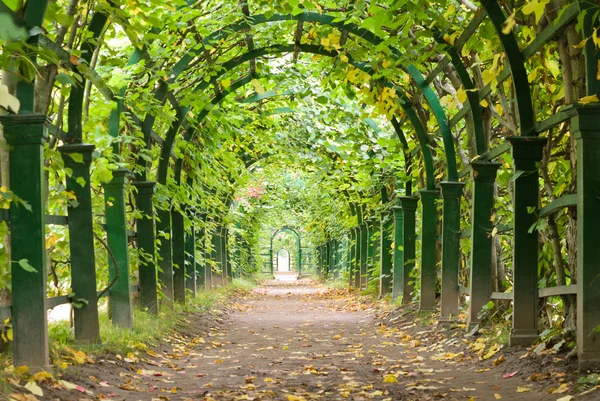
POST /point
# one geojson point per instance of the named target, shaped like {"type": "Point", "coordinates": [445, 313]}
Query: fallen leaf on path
{"type": "Point", "coordinates": [23, 397]}
{"type": "Point", "coordinates": [390, 379]}
{"type": "Point", "coordinates": [34, 388]}
{"type": "Point", "coordinates": [523, 389]}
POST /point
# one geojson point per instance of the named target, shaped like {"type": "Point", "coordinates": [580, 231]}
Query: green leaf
{"type": "Point", "coordinates": [65, 79]}
{"type": "Point", "coordinates": [15, 5]}
{"type": "Point", "coordinates": [81, 181]}
{"type": "Point", "coordinates": [77, 157]}
{"type": "Point", "coordinates": [24, 263]}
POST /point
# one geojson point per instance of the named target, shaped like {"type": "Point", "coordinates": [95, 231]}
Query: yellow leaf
{"type": "Point", "coordinates": [581, 44]}
{"type": "Point", "coordinates": [344, 58]}
{"type": "Point", "coordinates": [257, 86]}
{"type": "Point", "coordinates": [488, 76]}
{"type": "Point", "coordinates": [497, 396]}
{"type": "Point", "coordinates": [21, 370]}
{"type": "Point", "coordinates": [494, 349]}
{"type": "Point", "coordinates": [461, 95]}
{"type": "Point", "coordinates": [390, 379]}
{"type": "Point", "coordinates": [566, 398]}
{"type": "Point", "coordinates": [484, 103]}
{"type": "Point", "coordinates": [509, 24]}
{"type": "Point", "coordinates": [268, 380]}
{"type": "Point", "coordinates": [226, 83]}
{"type": "Point", "coordinates": [386, 64]}
{"type": "Point", "coordinates": [589, 99]}
{"type": "Point", "coordinates": [562, 389]}
{"type": "Point", "coordinates": [42, 376]}
{"type": "Point", "coordinates": [523, 389]}
{"type": "Point", "coordinates": [295, 398]}
{"type": "Point", "coordinates": [537, 7]}
{"type": "Point", "coordinates": [34, 388]}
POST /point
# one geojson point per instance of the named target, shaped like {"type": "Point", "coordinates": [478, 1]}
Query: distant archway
{"type": "Point", "coordinates": [293, 231]}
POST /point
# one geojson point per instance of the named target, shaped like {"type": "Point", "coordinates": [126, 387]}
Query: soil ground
{"type": "Point", "coordinates": [299, 341]}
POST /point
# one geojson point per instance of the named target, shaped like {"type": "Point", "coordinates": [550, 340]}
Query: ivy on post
{"type": "Point", "coordinates": [527, 154]}
{"type": "Point", "coordinates": [190, 259]}
{"type": "Point", "coordinates": [178, 245]}
{"type": "Point", "coordinates": [451, 193]}
{"type": "Point", "coordinates": [385, 258]}
{"type": "Point", "coordinates": [428, 249]}
{"type": "Point", "coordinates": [586, 128]}
{"type": "Point", "coordinates": [484, 177]}
{"type": "Point", "coordinates": [121, 310]}
{"type": "Point", "coordinates": [145, 241]}
{"type": "Point", "coordinates": [25, 136]}
{"type": "Point", "coordinates": [165, 256]}
{"type": "Point", "coordinates": [78, 158]}
{"type": "Point", "coordinates": [404, 251]}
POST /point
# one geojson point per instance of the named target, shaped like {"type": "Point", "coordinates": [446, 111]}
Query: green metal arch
{"type": "Point", "coordinates": [298, 245]}
{"type": "Point", "coordinates": [417, 77]}
{"type": "Point", "coordinates": [395, 125]}
{"type": "Point", "coordinates": [404, 101]}
{"type": "Point", "coordinates": [516, 62]}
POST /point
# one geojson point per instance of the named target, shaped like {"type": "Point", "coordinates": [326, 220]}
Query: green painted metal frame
{"type": "Point", "coordinates": [289, 230]}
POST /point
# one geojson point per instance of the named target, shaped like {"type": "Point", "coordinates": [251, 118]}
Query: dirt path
{"type": "Point", "coordinates": [298, 341]}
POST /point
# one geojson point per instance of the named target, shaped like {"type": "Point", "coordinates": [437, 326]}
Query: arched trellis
{"type": "Point", "coordinates": [587, 197]}
{"type": "Point", "coordinates": [293, 231]}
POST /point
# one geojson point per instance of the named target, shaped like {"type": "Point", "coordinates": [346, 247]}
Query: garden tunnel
{"type": "Point", "coordinates": [168, 145]}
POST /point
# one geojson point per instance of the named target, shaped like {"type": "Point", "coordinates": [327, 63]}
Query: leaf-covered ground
{"type": "Point", "coordinates": [299, 341]}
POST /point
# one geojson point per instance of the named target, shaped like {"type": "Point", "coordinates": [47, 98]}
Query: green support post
{"type": "Point", "coordinates": [370, 245]}
{"type": "Point", "coordinates": [406, 254]}
{"type": "Point", "coordinates": [364, 243]}
{"type": "Point", "coordinates": [78, 158]}
{"type": "Point", "coordinates": [480, 291]}
{"type": "Point", "coordinates": [214, 256]}
{"type": "Point", "coordinates": [357, 256]}
{"type": "Point", "coordinates": [428, 249]}
{"type": "Point", "coordinates": [121, 310]}
{"type": "Point", "coordinates": [451, 194]}
{"type": "Point", "coordinates": [352, 265]}
{"type": "Point", "coordinates": [201, 272]}
{"type": "Point", "coordinates": [145, 240]}
{"type": "Point", "coordinates": [226, 262]}
{"type": "Point", "coordinates": [586, 128]}
{"type": "Point", "coordinates": [25, 137]}
{"type": "Point", "coordinates": [299, 262]}
{"type": "Point", "coordinates": [178, 245]}
{"type": "Point", "coordinates": [200, 267]}
{"type": "Point", "coordinates": [527, 153]}
{"type": "Point", "coordinates": [190, 260]}
{"type": "Point", "coordinates": [330, 257]}
{"type": "Point", "coordinates": [165, 256]}
{"type": "Point", "coordinates": [398, 268]}
{"type": "Point", "coordinates": [385, 256]}
{"type": "Point", "coordinates": [271, 264]}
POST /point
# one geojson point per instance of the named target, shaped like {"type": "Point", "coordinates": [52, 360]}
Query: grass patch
{"type": "Point", "coordinates": [148, 329]}
{"type": "Point", "coordinates": [338, 284]}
